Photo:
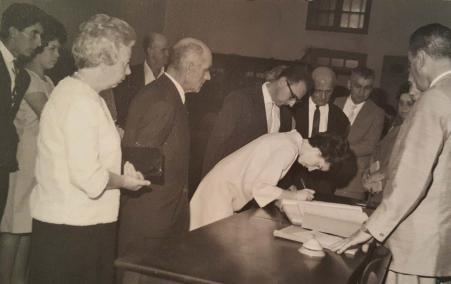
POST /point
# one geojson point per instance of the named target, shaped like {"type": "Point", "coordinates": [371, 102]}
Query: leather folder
{"type": "Point", "coordinates": [149, 161]}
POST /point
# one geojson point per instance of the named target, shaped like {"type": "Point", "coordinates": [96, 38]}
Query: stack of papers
{"type": "Point", "coordinates": [332, 218]}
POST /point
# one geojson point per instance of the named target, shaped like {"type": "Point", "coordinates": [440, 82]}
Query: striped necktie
{"type": "Point", "coordinates": [14, 93]}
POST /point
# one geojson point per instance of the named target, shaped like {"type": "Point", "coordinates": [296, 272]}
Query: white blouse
{"type": "Point", "coordinates": [78, 145]}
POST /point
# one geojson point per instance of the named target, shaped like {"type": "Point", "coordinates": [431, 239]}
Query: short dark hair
{"type": "Point", "coordinates": [364, 72]}
{"type": "Point", "coordinates": [434, 39]}
{"type": "Point", "coordinates": [297, 73]}
{"type": "Point", "coordinates": [20, 16]}
{"type": "Point", "coordinates": [333, 148]}
{"type": "Point", "coordinates": [53, 30]}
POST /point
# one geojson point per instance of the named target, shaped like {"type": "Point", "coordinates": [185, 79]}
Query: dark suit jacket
{"type": "Point", "coordinates": [337, 123]}
{"type": "Point", "coordinates": [157, 118]}
{"type": "Point", "coordinates": [8, 134]}
{"type": "Point", "coordinates": [241, 119]}
{"type": "Point", "coordinates": [127, 90]}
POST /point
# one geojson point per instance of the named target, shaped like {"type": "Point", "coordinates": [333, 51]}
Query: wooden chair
{"type": "Point", "coordinates": [377, 267]}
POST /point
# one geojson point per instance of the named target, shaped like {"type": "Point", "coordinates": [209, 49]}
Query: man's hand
{"type": "Point", "coordinates": [373, 182]}
{"type": "Point", "coordinates": [359, 237]}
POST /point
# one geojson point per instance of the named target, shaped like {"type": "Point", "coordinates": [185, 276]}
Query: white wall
{"type": "Point", "coordinates": [276, 28]}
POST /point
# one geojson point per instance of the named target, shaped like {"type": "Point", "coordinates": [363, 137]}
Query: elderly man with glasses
{"type": "Point", "coordinates": [247, 114]}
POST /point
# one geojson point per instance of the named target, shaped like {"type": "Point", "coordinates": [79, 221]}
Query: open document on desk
{"type": "Point", "coordinates": [327, 221]}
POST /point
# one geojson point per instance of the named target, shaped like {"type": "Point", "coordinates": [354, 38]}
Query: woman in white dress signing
{"type": "Point", "coordinates": [252, 172]}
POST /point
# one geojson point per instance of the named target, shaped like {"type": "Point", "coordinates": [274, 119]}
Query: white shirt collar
{"type": "Point", "coordinates": [178, 87]}
{"type": "Point", "coordinates": [312, 105]}
{"type": "Point", "coordinates": [9, 62]}
{"type": "Point", "coordinates": [7, 55]}
{"type": "Point", "coordinates": [148, 74]}
{"type": "Point", "coordinates": [439, 77]}
{"type": "Point", "coordinates": [266, 95]}
{"type": "Point", "coordinates": [351, 102]}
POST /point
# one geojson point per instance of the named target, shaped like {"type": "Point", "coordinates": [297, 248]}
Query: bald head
{"type": "Point", "coordinates": [323, 76]}
{"type": "Point", "coordinates": [324, 80]}
{"type": "Point", "coordinates": [190, 61]}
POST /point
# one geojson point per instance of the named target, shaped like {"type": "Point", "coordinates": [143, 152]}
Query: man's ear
{"type": "Point", "coordinates": [420, 59]}
{"type": "Point", "coordinates": [13, 31]}
{"type": "Point", "coordinates": [189, 65]}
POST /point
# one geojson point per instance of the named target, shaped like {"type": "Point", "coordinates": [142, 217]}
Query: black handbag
{"type": "Point", "coordinates": [148, 161]}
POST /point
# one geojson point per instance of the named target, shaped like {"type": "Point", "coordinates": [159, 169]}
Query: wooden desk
{"type": "Point", "coordinates": [241, 249]}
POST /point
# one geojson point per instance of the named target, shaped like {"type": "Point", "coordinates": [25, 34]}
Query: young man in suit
{"type": "Point", "coordinates": [158, 119]}
{"type": "Point", "coordinates": [249, 113]}
{"type": "Point", "coordinates": [156, 53]}
{"type": "Point", "coordinates": [20, 35]}
{"type": "Point", "coordinates": [367, 122]}
{"type": "Point", "coordinates": [317, 115]}
{"type": "Point", "coordinates": [413, 218]}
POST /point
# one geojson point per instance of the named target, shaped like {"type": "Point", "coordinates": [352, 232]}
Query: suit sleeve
{"type": "Point", "coordinates": [366, 146]}
{"type": "Point", "coordinates": [222, 131]}
{"type": "Point", "coordinates": [149, 123]}
{"type": "Point", "coordinates": [411, 166]}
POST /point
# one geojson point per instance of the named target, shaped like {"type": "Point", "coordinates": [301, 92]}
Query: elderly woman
{"type": "Point", "coordinates": [373, 178]}
{"type": "Point", "coordinates": [78, 168]}
{"type": "Point", "coordinates": [16, 221]}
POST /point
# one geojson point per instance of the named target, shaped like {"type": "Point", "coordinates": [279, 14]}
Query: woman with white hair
{"type": "Point", "coordinates": [75, 203]}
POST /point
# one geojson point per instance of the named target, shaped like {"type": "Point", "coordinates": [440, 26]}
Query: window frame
{"type": "Point", "coordinates": [312, 12]}
{"type": "Point", "coordinates": [315, 53]}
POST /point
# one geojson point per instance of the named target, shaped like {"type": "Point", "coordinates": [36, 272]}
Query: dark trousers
{"type": "Point", "coordinates": [72, 254]}
{"type": "Point", "coordinates": [4, 184]}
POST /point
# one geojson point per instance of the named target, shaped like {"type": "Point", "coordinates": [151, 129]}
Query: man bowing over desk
{"type": "Point", "coordinates": [413, 218]}
{"type": "Point", "coordinates": [158, 119]}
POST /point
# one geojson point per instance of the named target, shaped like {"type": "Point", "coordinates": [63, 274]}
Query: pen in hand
{"type": "Point", "coordinates": [295, 188]}
{"type": "Point", "coordinates": [303, 184]}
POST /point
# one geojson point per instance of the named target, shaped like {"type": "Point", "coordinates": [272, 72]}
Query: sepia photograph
{"type": "Point", "coordinates": [225, 141]}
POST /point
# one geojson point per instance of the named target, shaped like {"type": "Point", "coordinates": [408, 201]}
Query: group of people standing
{"type": "Point", "coordinates": [62, 165]}
{"type": "Point", "coordinates": [24, 92]}
{"type": "Point", "coordinates": [71, 163]}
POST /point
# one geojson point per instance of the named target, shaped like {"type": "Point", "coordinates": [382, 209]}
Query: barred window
{"type": "Point", "coordinates": [339, 15]}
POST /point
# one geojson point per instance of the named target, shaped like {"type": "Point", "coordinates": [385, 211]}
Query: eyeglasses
{"type": "Point", "coordinates": [293, 95]}
{"type": "Point", "coordinates": [323, 92]}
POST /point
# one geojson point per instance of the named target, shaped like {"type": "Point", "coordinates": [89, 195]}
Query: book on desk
{"type": "Point", "coordinates": [326, 221]}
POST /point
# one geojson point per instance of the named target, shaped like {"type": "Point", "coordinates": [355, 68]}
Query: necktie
{"type": "Point", "coordinates": [14, 93]}
{"type": "Point", "coordinates": [315, 126]}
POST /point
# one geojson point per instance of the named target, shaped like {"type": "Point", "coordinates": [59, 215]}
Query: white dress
{"type": "Point", "coordinates": [17, 218]}
{"type": "Point", "coordinates": [250, 172]}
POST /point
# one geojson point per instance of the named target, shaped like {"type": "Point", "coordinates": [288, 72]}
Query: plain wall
{"type": "Point", "coordinates": [276, 28]}
{"type": "Point", "coordinates": [257, 28]}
